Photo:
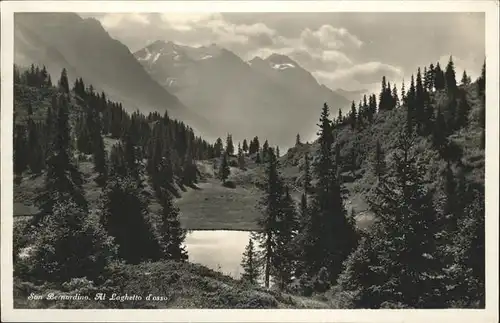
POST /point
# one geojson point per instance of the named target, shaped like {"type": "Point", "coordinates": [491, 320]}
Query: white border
{"type": "Point", "coordinates": [490, 314]}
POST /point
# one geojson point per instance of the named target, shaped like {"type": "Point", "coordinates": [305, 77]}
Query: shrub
{"type": "Point", "coordinates": [70, 244]}
{"type": "Point", "coordinates": [229, 184]}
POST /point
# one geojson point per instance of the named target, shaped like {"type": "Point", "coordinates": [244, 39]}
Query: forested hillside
{"type": "Point", "coordinates": [414, 161]}
{"type": "Point", "coordinates": [104, 185]}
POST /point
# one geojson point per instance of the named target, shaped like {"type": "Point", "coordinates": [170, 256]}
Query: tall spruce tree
{"type": "Point", "coordinates": [229, 145]}
{"type": "Point", "coordinates": [250, 264]}
{"type": "Point", "coordinates": [399, 256]}
{"type": "Point", "coordinates": [172, 235]}
{"type": "Point", "coordinates": [271, 205]}
{"type": "Point", "coordinates": [123, 215]}
{"type": "Point", "coordinates": [218, 148]}
{"type": "Point", "coordinates": [439, 80]}
{"type": "Point", "coordinates": [224, 170]}
{"type": "Point", "coordinates": [419, 103]}
{"type": "Point", "coordinates": [465, 79]}
{"type": "Point", "coordinates": [245, 146]}
{"type": "Point", "coordinates": [481, 82]}
{"type": "Point", "coordinates": [63, 82]}
{"type": "Point", "coordinates": [297, 140]}
{"type": "Point", "coordinates": [352, 116]}
{"type": "Point", "coordinates": [450, 78]}
{"type": "Point", "coordinates": [265, 151]}
{"type": "Point", "coordinates": [330, 234]}
{"type": "Point", "coordinates": [430, 77]}
{"type": "Point", "coordinates": [241, 158]}
{"type": "Point", "coordinates": [285, 257]}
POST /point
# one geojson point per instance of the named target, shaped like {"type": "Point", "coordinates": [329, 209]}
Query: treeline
{"type": "Point", "coordinates": [253, 150]}
{"type": "Point", "coordinates": [424, 114]}
{"type": "Point", "coordinates": [71, 239]}
{"type": "Point", "coordinates": [426, 246]}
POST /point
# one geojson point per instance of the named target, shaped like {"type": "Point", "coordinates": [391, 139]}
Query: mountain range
{"type": "Point", "coordinates": [274, 96]}
{"type": "Point", "coordinates": [209, 87]}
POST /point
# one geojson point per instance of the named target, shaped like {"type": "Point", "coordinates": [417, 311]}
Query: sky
{"type": "Point", "coordinates": [351, 51]}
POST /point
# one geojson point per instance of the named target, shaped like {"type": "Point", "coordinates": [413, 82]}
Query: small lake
{"type": "Point", "coordinates": [220, 250]}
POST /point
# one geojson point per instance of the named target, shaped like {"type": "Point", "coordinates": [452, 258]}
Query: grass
{"type": "Point", "coordinates": [171, 284]}
{"type": "Point", "coordinates": [212, 206]}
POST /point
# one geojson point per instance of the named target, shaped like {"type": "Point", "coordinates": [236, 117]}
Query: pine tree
{"type": "Point", "coordinates": [439, 81]}
{"type": "Point", "coordinates": [270, 204]}
{"type": "Point", "coordinates": [481, 83]}
{"type": "Point", "coordinates": [465, 79]}
{"type": "Point", "coordinates": [330, 234]}
{"type": "Point", "coordinates": [301, 240]}
{"type": "Point", "coordinates": [241, 158]}
{"type": "Point", "coordinates": [224, 170]}
{"type": "Point", "coordinates": [284, 260]}
{"type": "Point", "coordinates": [245, 146]}
{"type": "Point", "coordinates": [172, 235]}
{"type": "Point", "coordinates": [218, 148]}
{"type": "Point", "coordinates": [340, 118]}
{"type": "Point", "coordinates": [123, 215]}
{"type": "Point", "coordinates": [254, 146]}
{"type": "Point", "coordinates": [229, 145]}
{"type": "Point", "coordinates": [450, 79]}
{"type": "Point", "coordinates": [401, 245]}
{"type": "Point", "coordinates": [297, 140]}
{"type": "Point", "coordinates": [411, 109]}
{"type": "Point", "coordinates": [419, 103]}
{"type": "Point", "coordinates": [265, 151]}
{"type": "Point", "coordinates": [251, 270]}
{"type": "Point", "coordinates": [352, 115]}
{"type": "Point", "coordinates": [382, 96]}
{"type": "Point", "coordinates": [63, 82]}
{"type": "Point", "coordinates": [430, 77]}
{"type": "Point", "coordinates": [395, 98]}
{"type": "Point", "coordinates": [403, 94]}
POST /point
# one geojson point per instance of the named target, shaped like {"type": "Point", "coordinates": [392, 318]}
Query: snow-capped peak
{"type": "Point", "coordinates": [282, 66]}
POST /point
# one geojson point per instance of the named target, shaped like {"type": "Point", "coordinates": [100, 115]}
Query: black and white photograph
{"type": "Point", "coordinates": [331, 160]}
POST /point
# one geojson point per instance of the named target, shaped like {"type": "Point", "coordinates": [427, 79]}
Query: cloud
{"type": "Point", "coordinates": [114, 20]}
{"type": "Point", "coordinates": [188, 21]}
{"type": "Point", "coordinates": [365, 74]}
{"type": "Point", "coordinates": [337, 57]}
{"type": "Point", "coordinates": [329, 37]}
